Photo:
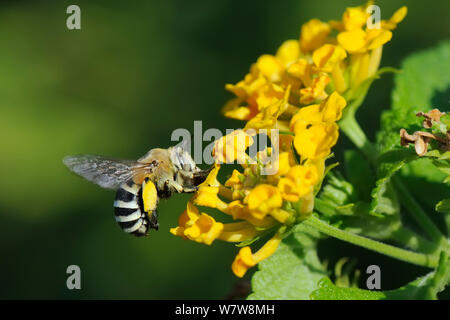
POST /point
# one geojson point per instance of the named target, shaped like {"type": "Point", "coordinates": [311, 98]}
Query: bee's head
{"type": "Point", "coordinates": [200, 176]}
{"type": "Point", "coordinates": [182, 160]}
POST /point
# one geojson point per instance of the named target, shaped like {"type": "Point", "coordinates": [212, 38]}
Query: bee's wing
{"type": "Point", "coordinates": [107, 173]}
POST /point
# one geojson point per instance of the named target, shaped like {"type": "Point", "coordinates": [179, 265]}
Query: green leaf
{"type": "Point", "coordinates": [338, 202]}
{"type": "Point", "coordinates": [423, 75]}
{"type": "Point", "coordinates": [359, 173]}
{"type": "Point", "coordinates": [438, 154]}
{"type": "Point", "coordinates": [444, 166]}
{"type": "Point", "coordinates": [328, 291]}
{"type": "Point", "coordinates": [443, 206]}
{"type": "Point", "coordinates": [426, 287]}
{"type": "Point", "coordinates": [293, 272]}
{"type": "Point", "coordinates": [384, 200]}
{"type": "Point", "coordinates": [372, 226]}
{"type": "Point", "coordinates": [425, 181]}
{"type": "Point", "coordinates": [337, 191]}
{"type": "Point", "coordinates": [421, 172]}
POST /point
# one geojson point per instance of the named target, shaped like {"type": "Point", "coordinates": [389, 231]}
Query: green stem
{"type": "Point", "coordinates": [419, 215]}
{"type": "Point", "coordinates": [412, 240]}
{"type": "Point", "coordinates": [353, 131]}
{"type": "Point", "coordinates": [402, 235]}
{"type": "Point", "coordinates": [420, 259]}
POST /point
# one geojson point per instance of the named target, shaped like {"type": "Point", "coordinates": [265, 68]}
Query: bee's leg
{"type": "Point", "coordinates": [149, 195]}
{"type": "Point", "coordinates": [178, 187]}
{"type": "Point", "coordinates": [153, 218]}
{"type": "Point", "coordinates": [190, 189]}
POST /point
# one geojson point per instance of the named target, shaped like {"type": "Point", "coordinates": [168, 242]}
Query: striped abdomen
{"type": "Point", "coordinates": [129, 210]}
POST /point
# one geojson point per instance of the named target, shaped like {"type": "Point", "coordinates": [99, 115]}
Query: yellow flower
{"type": "Point", "coordinates": [313, 34]}
{"type": "Point", "coordinates": [267, 118]}
{"type": "Point", "coordinates": [329, 58]}
{"type": "Point", "coordinates": [239, 211]}
{"type": "Point", "coordinates": [356, 40]}
{"type": "Point", "coordinates": [316, 91]}
{"type": "Point", "coordinates": [207, 193]}
{"type": "Point", "coordinates": [313, 141]}
{"type": "Point", "coordinates": [268, 95]}
{"type": "Point", "coordinates": [330, 110]}
{"type": "Point", "coordinates": [301, 69]}
{"type": "Point", "coordinates": [270, 67]}
{"type": "Point", "coordinates": [396, 18]}
{"type": "Point", "coordinates": [263, 199]}
{"type": "Point", "coordinates": [288, 190]}
{"type": "Point", "coordinates": [245, 259]}
{"type": "Point", "coordinates": [355, 17]}
{"type": "Point", "coordinates": [232, 147]}
{"type": "Point", "coordinates": [197, 227]}
{"type": "Point", "coordinates": [288, 52]}
{"type": "Point", "coordinates": [239, 231]}
{"type": "Point", "coordinates": [284, 163]}
{"type": "Point", "coordinates": [236, 179]}
{"type": "Point", "coordinates": [245, 106]}
{"type": "Point", "coordinates": [360, 41]}
{"type": "Point", "coordinates": [299, 182]}
{"type": "Point", "coordinates": [233, 109]}
{"type": "Point", "coordinates": [259, 89]}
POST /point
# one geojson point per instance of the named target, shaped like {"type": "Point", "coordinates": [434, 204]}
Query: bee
{"type": "Point", "coordinates": [140, 184]}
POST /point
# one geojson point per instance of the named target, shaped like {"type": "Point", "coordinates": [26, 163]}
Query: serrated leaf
{"type": "Point", "coordinates": [336, 204]}
{"type": "Point", "coordinates": [293, 272]}
{"type": "Point", "coordinates": [439, 154]}
{"type": "Point", "coordinates": [328, 291]}
{"type": "Point", "coordinates": [337, 190]}
{"type": "Point", "coordinates": [423, 74]}
{"type": "Point", "coordinates": [426, 287]}
{"type": "Point", "coordinates": [384, 201]}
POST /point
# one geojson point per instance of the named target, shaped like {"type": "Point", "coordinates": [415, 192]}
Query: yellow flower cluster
{"type": "Point", "coordinates": [301, 91]}
{"type": "Point", "coordinates": [260, 204]}
{"type": "Point", "coordinates": [329, 56]}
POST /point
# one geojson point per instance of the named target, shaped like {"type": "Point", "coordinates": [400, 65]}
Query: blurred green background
{"type": "Point", "coordinates": [119, 86]}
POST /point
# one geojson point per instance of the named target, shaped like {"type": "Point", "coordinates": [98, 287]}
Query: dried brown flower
{"type": "Point", "coordinates": [433, 115]}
